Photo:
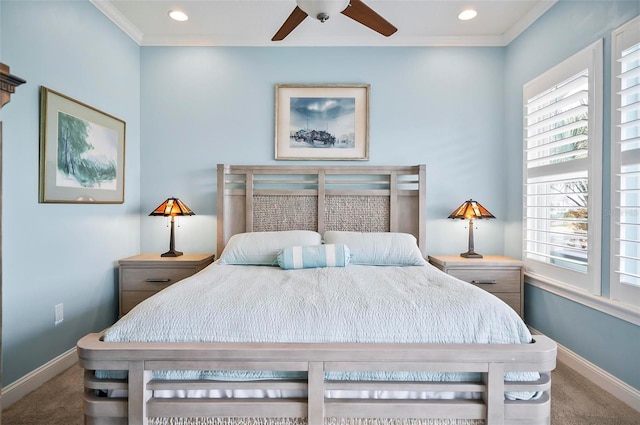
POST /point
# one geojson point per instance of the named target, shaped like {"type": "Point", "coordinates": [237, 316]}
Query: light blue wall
{"type": "Point", "coordinates": [58, 253]}
{"type": "Point", "coordinates": [458, 110]}
{"type": "Point", "coordinates": [439, 106]}
{"type": "Point", "coordinates": [565, 29]}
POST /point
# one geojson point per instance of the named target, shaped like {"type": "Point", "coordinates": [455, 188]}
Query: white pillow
{"type": "Point", "coordinates": [262, 248]}
{"type": "Point", "coordinates": [379, 249]}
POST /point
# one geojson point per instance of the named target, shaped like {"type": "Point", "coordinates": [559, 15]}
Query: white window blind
{"type": "Point", "coordinates": [562, 174]}
{"type": "Point", "coordinates": [625, 157]}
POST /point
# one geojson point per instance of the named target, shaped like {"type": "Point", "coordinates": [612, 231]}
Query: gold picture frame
{"type": "Point", "coordinates": [322, 122]}
{"type": "Point", "coordinates": [82, 152]}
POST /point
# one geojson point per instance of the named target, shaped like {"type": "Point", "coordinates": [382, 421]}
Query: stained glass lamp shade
{"type": "Point", "coordinates": [471, 210]}
{"type": "Point", "coordinates": [172, 207]}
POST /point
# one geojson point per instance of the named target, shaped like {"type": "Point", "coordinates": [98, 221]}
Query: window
{"type": "Point", "coordinates": [625, 164]}
{"type": "Point", "coordinates": [562, 171]}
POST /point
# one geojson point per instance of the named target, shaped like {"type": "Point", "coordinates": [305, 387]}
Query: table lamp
{"type": "Point", "coordinates": [471, 210]}
{"type": "Point", "coordinates": [172, 207]}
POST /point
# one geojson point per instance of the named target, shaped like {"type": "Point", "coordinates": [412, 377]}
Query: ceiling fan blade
{"type": "Point", "coordinates": [360, 12]}
{"type": "Point", "coordinates": [290, 24]}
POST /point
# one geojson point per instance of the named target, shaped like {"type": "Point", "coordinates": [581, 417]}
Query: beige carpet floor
{"type": "Point", "coordinates": [574, 401]}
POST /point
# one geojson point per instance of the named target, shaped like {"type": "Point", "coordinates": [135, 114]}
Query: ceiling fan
{"type": "Point", "coordinates": [323, 9]}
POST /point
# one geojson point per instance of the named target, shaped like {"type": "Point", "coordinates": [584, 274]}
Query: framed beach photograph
{"type": "Point", "coordinates": [322, 122]}
{"type": "Point", "coordinates": [81, 152]}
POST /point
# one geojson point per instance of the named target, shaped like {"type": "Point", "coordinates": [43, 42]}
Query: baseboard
{"type": "Point", "coordinates": [34, 379]}
{"type": "Point", "coordinates": [600, 377]}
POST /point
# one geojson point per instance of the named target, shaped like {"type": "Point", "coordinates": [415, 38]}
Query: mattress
{"type": "Point", "coordinates": [380, 304]}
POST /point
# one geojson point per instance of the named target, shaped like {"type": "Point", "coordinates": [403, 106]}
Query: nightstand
{"type": "Point", "coordinates": [144, 275]}
{"type": "Point", "coordinates": [502, 276]}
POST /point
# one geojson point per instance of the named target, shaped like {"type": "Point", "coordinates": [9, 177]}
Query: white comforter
{"type": "Point", "coordinates": [228, 303]}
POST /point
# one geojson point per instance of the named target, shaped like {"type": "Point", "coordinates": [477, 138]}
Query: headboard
{"type": "Point", "coordinates": [253, 198]}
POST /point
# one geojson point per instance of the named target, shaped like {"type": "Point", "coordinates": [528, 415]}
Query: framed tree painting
{"type": "Point", "coordinates": [322, 122]}
{"type": "Point", "coordinates": [82, 152]}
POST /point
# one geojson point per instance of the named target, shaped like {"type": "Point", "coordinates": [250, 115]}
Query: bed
{"type": "Point", "coordinates": [318, 375]}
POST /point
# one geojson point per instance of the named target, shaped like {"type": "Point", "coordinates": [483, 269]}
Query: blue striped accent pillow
{"type": "Point", "coordinates": [313, 256]}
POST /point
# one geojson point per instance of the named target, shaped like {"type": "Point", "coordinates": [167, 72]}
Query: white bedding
{"type": "Point", "coordinates": [233, 303]}
{"type": "Point", "coordinates": [229, 303]}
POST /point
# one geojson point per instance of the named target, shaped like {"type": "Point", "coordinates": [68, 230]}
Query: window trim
{"type": "Point", "coordinates": [597, 302]}
{"type": "Point", "coordinates": [593, 57]}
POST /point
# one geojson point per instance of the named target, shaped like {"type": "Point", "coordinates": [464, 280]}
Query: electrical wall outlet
{"type": "Point", "coordinates": [59, 309]}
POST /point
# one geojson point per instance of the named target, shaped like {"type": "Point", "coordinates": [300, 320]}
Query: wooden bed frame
{"type": "Point", "coordinates": [359, 198]}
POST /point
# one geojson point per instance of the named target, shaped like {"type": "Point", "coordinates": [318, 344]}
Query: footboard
{"type": "Point", "coordinates": [138, 403]}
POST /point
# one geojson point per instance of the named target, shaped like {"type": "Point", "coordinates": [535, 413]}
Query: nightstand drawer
{"type": "Point", "coordinates": [491, 280]}
{"type": "Point", "coordinates": [512, 299]}
{"type": "Point", "coordinates": [131, 299]}
{"type": "Point", "coordinates": [152, 279]}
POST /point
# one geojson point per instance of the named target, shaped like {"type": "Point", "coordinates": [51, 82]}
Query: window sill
{"type": "Point", "coordinates": [602, 304]}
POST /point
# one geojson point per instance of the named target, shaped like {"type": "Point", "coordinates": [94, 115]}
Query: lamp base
{"type": "Point", "coordinates": [470, 254]}
{"type": "Point", "coordinates": [172, 253]}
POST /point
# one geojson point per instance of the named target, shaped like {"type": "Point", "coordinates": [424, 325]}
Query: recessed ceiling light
{"type": "Point", "coordinates": [467, 14]}
{"type": "Point", "coordinates": [178, 15]}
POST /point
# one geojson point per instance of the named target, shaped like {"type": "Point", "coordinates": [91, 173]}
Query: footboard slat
{"type": "Point", "coordinates": [529, 410]}
{"type": "Point", "coordinates": [316, 393]}
{"type": "Point", "coordinates": [166, 408]}
{"type": "Point", "coordinates": [406, 409]}
{"type": "Point", "coordinates": [91, 382]}
{"type": "Point", "coordinates": [225, 365]}
{"type": "Point", "coordinates": [228, 385]}
{"type": "Point", "coordinates": [542, 384]}
{"type": "Point", "coordinates": [95, 406]}
{"type": "Point", "coordinates": [430, 366]}
{"type": "Point", "coordinates": [139, 394]}
{"type": "Point", "coordinates": [461, 386]}
{"type": "Point", "coordinates": [494, 396]}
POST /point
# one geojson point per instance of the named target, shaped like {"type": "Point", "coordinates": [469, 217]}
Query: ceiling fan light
{"type": "Point", "coordinates": [322, 8]}
{"type": "Point", "coordinates": [178, 15]}
{"type": "Point", "coordinates": [467, 14]}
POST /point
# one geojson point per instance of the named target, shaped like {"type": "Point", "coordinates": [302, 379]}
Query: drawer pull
{"type": "Point", "coordinates": [157, 280]}
{"type": "Point", "coordinates": [476, 282]}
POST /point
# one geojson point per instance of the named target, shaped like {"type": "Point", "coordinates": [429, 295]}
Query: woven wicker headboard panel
{"type": "Point", "coordinates": [321, 198]}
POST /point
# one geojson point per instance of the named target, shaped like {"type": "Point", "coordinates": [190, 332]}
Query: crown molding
{"type": "Point", "coordinates": [519, 27]}
{"type": "Point", "coordinates": [121, 21]}
{"type": "Point", "coordinates": [500, 40]}
{"type": "Point", "coordinates": [397, 41]}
